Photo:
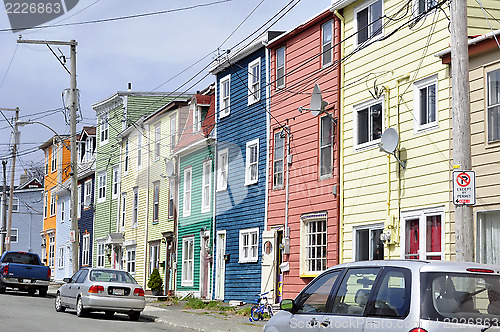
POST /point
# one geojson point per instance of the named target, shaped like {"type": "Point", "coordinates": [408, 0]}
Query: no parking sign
{"type": "Point", "coordinates": [464, 187]}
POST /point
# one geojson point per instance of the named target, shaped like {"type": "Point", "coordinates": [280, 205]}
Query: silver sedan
{"type": "Point", "coordinates": [98, 289]}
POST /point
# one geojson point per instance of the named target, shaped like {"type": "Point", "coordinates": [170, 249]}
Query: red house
{"type": "Point", "coordinates": [302, 236]}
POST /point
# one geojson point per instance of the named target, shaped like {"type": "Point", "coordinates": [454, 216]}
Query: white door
{"type": "Point", "coordinates": [221, 265]}
{"type": "Point", "coordinates": [68, 266]}
{"type": "Point", "coordinates": [268, 262]}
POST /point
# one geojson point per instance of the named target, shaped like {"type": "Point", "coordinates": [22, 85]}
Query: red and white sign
{"type": "Point", "coordinates": [72, 236]}
{"type": "Point", "coordinates": [464, 187]}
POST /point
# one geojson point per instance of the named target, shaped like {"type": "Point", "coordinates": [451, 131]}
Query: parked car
{"type": "Point", "coordinates": [396, 295]}
{"type": "Point", "coordinates": [23, 271]}
{"type": "Point", "coordinates": [98, 289]}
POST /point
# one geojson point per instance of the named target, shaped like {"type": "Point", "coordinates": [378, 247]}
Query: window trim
{"type": "Point", "coordinates": [356, 108]}
{"type": "Point", "coordinates": [205, 203]}
{"type": "Point", "coordinates": [135, 207]}
{"type": "Point", "coordinates": [185, 260]}
{"type": "Point", "coordinates": [223, 112]}
{"type": "Point", "coordinates": [417, 87]}
{"type": "Point", "coordinates": [139, 150]}
{"type": "Point", "coordinates": [186, 204]}
{"type": "Point", "coordinates": [278, 85]}
{"type": "Point", "coordinates": [370, 227]}
{"type": "Point", "coordinates": [101, 254]}
{"type": "Point", "coordinates": [320, 148]}
{"type": "Point", "coordinates": [62, 211]}
{"type": "Point", "coordinates": [15, 206]}
{"type": "Point", "coordinates": [116, 182]}
{"type": "Point", "coordinates": [157, 141]}
{"type": "Point", "coordinates": [156, 202]}
{"type": "Point", "coordinates": [86, 249]}
{"type": "Point", "coordinates": [487, 71]}
{"type": "Point", "coordinates": [103, 128]}
{"type": "Point", "coordinates": [480, 228]}
{"type": "Point", "coordinates": [79, 204]}
{"type": "Point", "coordinates": [53, 159]}
{"type": "Point", "coordinates": [154, 264]}
{"type": "Point", "coordinates": [323, 64]}
{"type": "Point", "coordinates": [305, 219]}
{"type": "Point", "coordinates": [282, 185]}
{"type": "Point", "coordinates": [123, 210]}
{"type": "Point", "coordinates": [101, 175]}
{"type": "Point", "coordinates": [221, 186]}
{"type": "Point", "coordinates": [250, 258]}
{"type": "Point", "coordinates": [60, 258]}
{"type": "Point", "coordinates": [53, 203]}
{"type": "Point", "coordinates": [171, 198]}
{"type": "Point", "coordinates": [131, 262]}
{"type": "Point", "coordinates": [87, 193]}
{"type": "Point", "coordinates": [12, 231]}
{"type": "Point", "coordinates": [416, 8]}
{"type": "Point", "coordinates": [252, 98]}
{"type": "Point", "coordinates": [371, 38]}
{"type": "Point", "coordinates": [173, 132]}
{"type": "Point", "coordinates": [249, 145]}
{"type": "Point", "coordinates": [126, 156]}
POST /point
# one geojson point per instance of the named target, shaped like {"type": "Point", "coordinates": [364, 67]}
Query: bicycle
{"type": "Point", "coordinates": [263, 307]}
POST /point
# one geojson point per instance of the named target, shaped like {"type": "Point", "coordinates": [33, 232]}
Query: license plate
{"type": "Point", "coordinates": [118, 292]}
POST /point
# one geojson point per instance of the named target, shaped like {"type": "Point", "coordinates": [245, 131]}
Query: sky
{"type": "Point", "coordinates": [155, 53]}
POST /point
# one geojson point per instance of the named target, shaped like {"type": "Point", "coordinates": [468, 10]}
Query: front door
{"type": "Point", "coordinates": [221, 265]}
{"type": "Point", "coordinates": [68, 266]}
{"type": "Point", "coordinates": [205, 265]}
{"type": "Point", "coordinates": [117, 262]}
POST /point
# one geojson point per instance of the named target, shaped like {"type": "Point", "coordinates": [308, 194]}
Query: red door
{"type": "Point", "coordinates": [412, 239]}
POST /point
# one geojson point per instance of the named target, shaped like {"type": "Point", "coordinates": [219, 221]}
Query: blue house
{"type": "Point", "coordinates": [241, 159]}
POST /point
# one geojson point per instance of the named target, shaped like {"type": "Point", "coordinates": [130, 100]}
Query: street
{"type": "Point", "coordinates": [24, 313]}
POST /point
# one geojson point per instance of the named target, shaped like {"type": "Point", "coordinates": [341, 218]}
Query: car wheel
{"type": "Point", "coordinates": [134, 315]}
{"type": "Point", "coordinates": [80, 312]}
{"type": "Point", "coordinates": [109, 314]}
{"type": "Point", "coordinates": [2, 288]}
{"type": "Point", "coordinates": [58, 305]}
{"type": "Point", "coordinates": [31, 291]}
{"type": "Point", "coordinates": [42, 292]}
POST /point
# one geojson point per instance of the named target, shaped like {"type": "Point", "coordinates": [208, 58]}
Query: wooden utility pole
{"type": "Point", "coordinates": [460, 99]}
{"type": "Point", "coordinates": [12, 178]}
{"type": "Point", "coordinates": [4, 204]}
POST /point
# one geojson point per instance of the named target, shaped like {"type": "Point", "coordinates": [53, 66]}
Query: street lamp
{"type": "Point", "coordinates": [24, 123]}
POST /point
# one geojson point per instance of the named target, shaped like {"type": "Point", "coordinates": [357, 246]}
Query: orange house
{"type": "Point", "coordinates": [57, 170]}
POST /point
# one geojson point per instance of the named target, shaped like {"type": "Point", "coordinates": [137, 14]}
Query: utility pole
{"type": "Point", "coordinates": [12, 178]}
{"type": "Point", "coordinates": [4, 204]}
{"type": "Point", "coordinates": [460, 99]}
{"type": "Point", "coordinates": [74, 171]}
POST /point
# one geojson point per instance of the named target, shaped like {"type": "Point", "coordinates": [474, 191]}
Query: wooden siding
{"type": "Point", "coordinates": [308, 191]}
{"type": "Point", "coordinates": [86, 220]}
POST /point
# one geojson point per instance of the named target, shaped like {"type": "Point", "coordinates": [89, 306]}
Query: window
{"type": "Point", "coordinates": [327, 43]}
{"type": "Point", "coordinates": [279, 153]}
{"type": "Point", "coordinates": [196, 119]}
{"type": "Point", "coordinates": [368, 244]}
{"type": "Point", "coordinates": [254, 81]}
{"type": "Point", "coordinates": [249, 244]}
{"type": "Point", "coordinates": [368, 120]}
{"type": "Point", "coordinates": [46, 162]}
{"type": "Point", "coordinates": [225, 97]}
{"type": "Point", "coordinates": [489, 237]}
{"type": "Point", "coordinates": [63, 211]}
{"type": "Point", "coordinates": [52, 242]}
{"type": "Point", "coordinates": [280, 67]}
{"type": "Point", "coordinates": [135, 207]}
{"type": "Point", "coordinates": [393, 293]}
{"type": "Point", "coordinates": [45, 204]}
{"type": "Point", "coordinates": [171, 193]}
{"type": "Point", "coordinates": [14, 235]}
{"type": "Point", "coordinates": [139, 150]}
{"type": "Point", "coordinates": [87, 200]}
{"type": "Point", "coordinates": [53, 162]}
{"type": "Point", "coordinates": [187, 261]}
{"type": "Point", "coordinates": [89, 148]}
{"type": "Point", "coordinates": [101, 197]}
{"type": "Point", "coordinates": [425, 104]}
{"type": "Point", "coordinates": [354, 291]}
{"type": "Point", "coordinates": [252, 162]}
{"type": "Point", "coordinates": [131, 260]}
{"type": "Point", "coordinates": [206, 186]}
{"type": "Point", "coordinates": [423, 6]}
{"type": "Point", "coordinates": [424, 234]}
{"type": "Point", "coordinates": [86, 250]}
{"type": "Point", "coordinates": [157, 141]}
{"type": "Point", "coordinates": [52, 204]}
{"type": "Point", "coordinates": [154, 257]}
{"type": "Point", "coordinates": [493, 91]}
{"type": "Point", "coordinates": [314, 297]}
{"type": "Point", "coordinates": [156, 201]}
{"type": "Point", "coordinates": [125, 166]}
{"type": "Point", "coordinates": [173, 133]}
{"type": "Point", "coordinates": [314, 243]}
{"type": "Point", "coordinates": [15, 204]}
{"type": "Point", "coordinates": [79, 203]}
{"type": "Point", "coordinates": [60, 258]}
{"type": "Point", "coordinates": [187, 192]}
{"type": "Point", "coordinates": [116, 182]}
{"type": "Point", "coordinates": [104, 129]}
{"type": "Point", "coordinates": [222, 169]}
{"type": "Point", "coordinates": [123, 208]}
{"type": "Point", "coordinates": [368, 20]}
{"type": "Point", "coordinates": [326, 147]}
{"type": "Point", "coordinates": [100, 254]}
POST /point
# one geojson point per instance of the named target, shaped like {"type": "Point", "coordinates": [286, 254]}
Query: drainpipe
{"type": "Point", "coordinates": [341, 139]}
{"type": "Point", "coordinates": [288, 161]}
{"type": "Point", "coordinates": [268, 136]}
{"type": "Point", "coordinates": [147, 218]}
{"type": "Point", "coordinates": [388, 218]}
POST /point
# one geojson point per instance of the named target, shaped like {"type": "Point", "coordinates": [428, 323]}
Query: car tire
{"type": "Point", "coordinates": [42, 292]}
{"type": "Point", "coordinates": [135, 315]}
{"type": "Point", "coordinates": [80, 311]}
{"type": "Point", "coordinates": [58, 304]}
{"type": "Point", "coordinates": [109, 314]}
{"type": "Point", "coordinates": [31, 291]}
{"type": "Point", "coordinates": [2, 288]}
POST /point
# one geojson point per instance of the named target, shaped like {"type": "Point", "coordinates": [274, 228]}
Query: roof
{"type": "Point", "coordinates": [115, 238]}
{"type": "Point", "coordinates": [30, 184]}
{"type": "Point", "coordinates": [477, 46]}
{"type": "Point", "coordinates": [50, 141]}
{"type": "Point", "coordinates": [89, 131]}
{"type": "Point", "coordinates": [175, 103]}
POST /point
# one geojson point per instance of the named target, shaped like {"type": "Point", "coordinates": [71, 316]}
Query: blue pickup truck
{"type": "Point", "coordinates": [25, 272]}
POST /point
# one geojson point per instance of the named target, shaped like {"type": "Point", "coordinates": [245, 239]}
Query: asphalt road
{"type": "Point", "coordinates": [20, 312]}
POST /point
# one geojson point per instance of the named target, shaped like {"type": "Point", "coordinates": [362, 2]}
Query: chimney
{"type": "Point", "coordinates": [129, 87]}
{"type": "Point", "coordinates": [23, 178]}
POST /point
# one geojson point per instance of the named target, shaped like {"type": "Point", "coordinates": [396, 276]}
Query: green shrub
{"type": "Point", "coordinates": [155, 282]}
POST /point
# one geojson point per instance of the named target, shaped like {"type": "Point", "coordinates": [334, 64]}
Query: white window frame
{"type": "Point", "coordinates": [15, 204]}
{"type": "Point", "coordinates": [86, 249]}
{"type": "Point", "coordinates": [171, 196]}
{"type": "Point", "coordinates": [60, 258]}
{"type": "Point", "coordinates": [249, 163]}
{"type": "Point", "coordinates": [126, 156]}
{"type": "Point", "coordinates": [131, 260]}
{"type": "Point", "coordinates": [101, 254]}
{"type": "Point", "coordinates": [187, 274]}
{"type": "Point", "coordinates": [371, 37]}
{"type": "Point", "coordinates": [196, 118]}
{"type": "Point", "coordinates": [248, 249]}
{"type": "Point", "coordinates": [116, 182]}
{"type": "Point", "coordinates": [87, 193]}
{"type": "Point", "coordinates": [323, 146]}
{"type": "Point", "coordinates": [427, 5]}
{"type": "Point", "coordinates": [186, 207]}
{"type": "Point", "coordinates": [275, 160]}
{"type": "Point", "coordinates": [101, 187]}
{"type": "Point", "coordinates": [45, 204]}
{"type": "Point", "coordinates": [305, 220]}
{"type": "Point", "coordinates": [206, 186]}
{"type": "Point", "coordinates": [103, 129]}
{"type": "Point", "coordinates": [53, 203]}
{"type": "Point", "coordinates": [173, 132]}
{"type": "Point", "coordinates": [417, 105]}
{"type": "Point", "coordinates": [157, 142]}
{"type": "Point", "coordinates": [254, 82]}
{"type": "Point", "coordinates": [154, 257]}
{"type": "Point", "coordinates": [79, 204]}
{"type": "Point", "coordinates": [52, 244]}
{"type": "Point", "coordinates": [156, 201]}
{"type": "Point", "coordinates": [225, 96]}
{"type": "Point", "coordinates": [47, 156]}
{"type": "Point", "coordinates": [135, 207]}
{"type": "Point", "coordinates": [369, 228]}
{"type": "Point", "coordinates": [222, 169]}
{"type": "Point", "coordinates": [280, 67]}
{"type": "Point", "coordinates": [139, 151]}
{"type": "Point", "coordinates": [371, 142]}
{"type": "Point", "coordinates": [62, 207]}
{"type": "Point", "coordinates": [53, 160]}
{"type": "Point", "coordinates": [14, 235]}
{"type": "Point", "coordinates": [492, 130]}
{"type": "Point", "coordinates": [422, 224]}
{"type": "Point", "coordinates": [123, 210]}
{"type": "Point", "coordinates": [481, 243]}
{"type": "Point", "coordinates": [326, 47]}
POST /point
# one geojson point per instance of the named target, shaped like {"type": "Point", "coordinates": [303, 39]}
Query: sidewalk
{"type": "Point", "coordinates": [192, 319]}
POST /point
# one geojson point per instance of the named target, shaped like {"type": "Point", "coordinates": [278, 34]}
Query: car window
{"type": "Point", "coordinates": [354, 291]}
{"type": "Point", "coordinates": [76, 275]}
{"type": "Point", "coordinates": [314, 298]}
{"type": "Point", "coordinates": [82, 276]}
{"type": "Point", "coordinates": [112, 276]}
{"type": "Point", "coordinates": [392, 297]}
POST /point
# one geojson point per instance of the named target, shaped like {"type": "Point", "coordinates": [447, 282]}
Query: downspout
{"type": "Point", "coordinates": [268, 135]}
{"type": "Point", "coordinates": [341, 140]}
{"type": "Point", "coordinates": [287, 189]}
{"type": "Point", "coordinates": [147, 215]}
{"type": "Point", "coordinates": [398, 224]}
{"type": "Point", "coordinates": [388, 156]}
{"type": "Point", "coordinates": [214, 203]}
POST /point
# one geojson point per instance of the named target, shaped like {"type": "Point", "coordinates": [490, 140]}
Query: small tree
{"type": "Point", "coordinates": [155, 282]}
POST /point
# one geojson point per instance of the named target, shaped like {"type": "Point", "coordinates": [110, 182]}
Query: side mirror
{"type": "Point", "coordinates": [287, 305]}
{"type": "Point", "coordinates": [67, 280]}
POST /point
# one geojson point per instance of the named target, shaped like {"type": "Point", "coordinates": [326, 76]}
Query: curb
{"type": "Point", "coordinates": [158, 320]}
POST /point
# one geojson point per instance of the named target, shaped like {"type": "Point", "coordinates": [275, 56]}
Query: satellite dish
{"type": "Point", "coordinates": [389, 143]}
{"type": "Point", "coordinates": [317, 103]}
{"type": "Point", "coordinates": [170, 168]}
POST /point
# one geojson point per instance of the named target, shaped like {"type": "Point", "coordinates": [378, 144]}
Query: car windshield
{"type": "Point", "coordinates": [112, 276]}
{"type": "Point", "coordinates": [460, 297]}
{"type": "Point", "coordinates": [21, 258]}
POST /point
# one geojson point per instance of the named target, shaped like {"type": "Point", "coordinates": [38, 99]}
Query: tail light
{"type": "Point", "coordinates": [138, 292]}
{"type": "Point", "coordinates": [418, 329]}
{"type": "Point", "coordinates": [48, 273]}
{"type": "Point", "coordinates": [5, 270]}
{"type": "Point", "coordinates": [480, 270]}
{"type": "Point", "coordinates": [96, 289]}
